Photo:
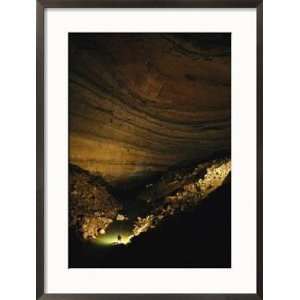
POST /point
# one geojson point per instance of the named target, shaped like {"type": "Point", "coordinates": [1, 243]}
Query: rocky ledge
{"type": "Point", "coordinates": [181, 190]}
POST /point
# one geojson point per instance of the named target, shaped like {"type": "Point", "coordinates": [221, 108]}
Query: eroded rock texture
{"type": "Point", "coordinates": [91, 207]}
{"type": "Point", "coordinates": [140, 103]}
{"type": "Point", "coordinates": [178, 191]}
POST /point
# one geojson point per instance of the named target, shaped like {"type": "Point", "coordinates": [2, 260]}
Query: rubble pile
{"type": "Point", "coordinates": [199, 189]}
{"type": "Point", "coordinates": [170, 182]}
{"type": "Point", "coordinates": [143, 224]}
{"type": "Point", "coordinates": [193, 188]}
{"type": "Point", "coordinates": [91, 207]}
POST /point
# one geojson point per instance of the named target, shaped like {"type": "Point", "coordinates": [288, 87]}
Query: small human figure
{"type": "Point", "coordinates": [119, 238]}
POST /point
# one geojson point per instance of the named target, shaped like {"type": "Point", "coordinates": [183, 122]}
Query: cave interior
{"type": "Point", "coordinates": [150, 150]}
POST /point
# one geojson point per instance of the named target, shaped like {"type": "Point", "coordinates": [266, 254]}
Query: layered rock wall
{"type": "Point", "coordinates": [140, 103]}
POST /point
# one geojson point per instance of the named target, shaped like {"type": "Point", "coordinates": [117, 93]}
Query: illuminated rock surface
{"type": "Point", "coordinates": [178, 191]}
{"type": "Point", "coordinates": [195, 238]}
{"type": "Point", "coordinates": [91, 207]}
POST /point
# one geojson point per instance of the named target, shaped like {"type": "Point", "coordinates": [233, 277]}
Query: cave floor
{"type": "Point", "coordinates": [197, 238]}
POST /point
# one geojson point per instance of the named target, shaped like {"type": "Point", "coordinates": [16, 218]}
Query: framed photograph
{"type": "Point", "coordinates": [149, 149]}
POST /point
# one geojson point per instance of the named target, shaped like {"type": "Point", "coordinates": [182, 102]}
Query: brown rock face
{"type": "Point", "coordinates": [140, 103]}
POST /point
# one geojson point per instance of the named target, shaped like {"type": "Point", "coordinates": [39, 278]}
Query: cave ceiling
{"type": "Point", "coordinates": [141, 103]}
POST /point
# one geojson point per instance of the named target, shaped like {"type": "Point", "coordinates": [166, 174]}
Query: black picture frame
{"type": "Point", "coordinates": [40, 150]}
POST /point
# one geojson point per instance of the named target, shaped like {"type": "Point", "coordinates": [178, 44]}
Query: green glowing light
{"type": "Point", "coordinates": [112, 238]}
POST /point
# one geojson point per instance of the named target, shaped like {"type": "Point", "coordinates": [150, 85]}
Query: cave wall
{"type": "Point", "coordinates": [140, 103]}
